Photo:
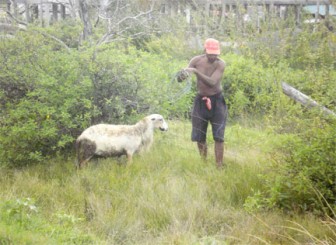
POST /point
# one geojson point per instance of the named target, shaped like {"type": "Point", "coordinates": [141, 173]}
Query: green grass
{"type": "Point", "coordinates": [166, 196]}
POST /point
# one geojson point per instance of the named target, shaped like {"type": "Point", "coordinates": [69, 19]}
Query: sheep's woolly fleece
{"type": "Point", "coordinates": [108, 140]}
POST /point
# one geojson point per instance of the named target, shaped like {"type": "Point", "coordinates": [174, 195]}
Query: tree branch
{"type": "Point", "coordinates": [112, 33]}
{"type": "Point", "coordinates": [54, 38]}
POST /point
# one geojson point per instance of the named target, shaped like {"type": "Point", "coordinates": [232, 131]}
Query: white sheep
{"type": "Point", "coordinates": [107, 140]}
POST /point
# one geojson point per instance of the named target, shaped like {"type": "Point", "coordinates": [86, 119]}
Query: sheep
{"type": "Point", "coordinates": [107, 140]}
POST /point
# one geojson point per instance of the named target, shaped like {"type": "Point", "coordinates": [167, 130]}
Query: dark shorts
{"type": "Point", "coordinates": [201, 116]}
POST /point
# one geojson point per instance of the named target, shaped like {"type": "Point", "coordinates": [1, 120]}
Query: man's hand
{"type": "Point", "coordinates": [182, 75]}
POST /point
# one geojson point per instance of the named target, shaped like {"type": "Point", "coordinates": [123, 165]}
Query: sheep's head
{"type": "Point", "coordinates": [158, 122]}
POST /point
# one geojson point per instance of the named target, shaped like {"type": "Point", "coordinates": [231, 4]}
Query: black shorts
{"type": "Point", "coordinates": [201, 116]}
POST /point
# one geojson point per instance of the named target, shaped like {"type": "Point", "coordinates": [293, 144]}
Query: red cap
{"type": "Point", "coordinates": [212, 46]}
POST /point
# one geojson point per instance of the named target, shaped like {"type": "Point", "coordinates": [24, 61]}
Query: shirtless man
{"type": "Point", "coordinates": [209, 104]}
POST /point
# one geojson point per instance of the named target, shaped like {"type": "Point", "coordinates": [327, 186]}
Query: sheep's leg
{"type": "Point", "coordinates": [147, 147]}
{"type": "Point", "coordinates": [129, 157]}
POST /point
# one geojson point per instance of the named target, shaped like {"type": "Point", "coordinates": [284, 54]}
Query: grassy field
{"type": "Point", "coordinates": [166, 196]}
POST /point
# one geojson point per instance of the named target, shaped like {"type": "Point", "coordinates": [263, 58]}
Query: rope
{"type": "Point", "coordinates": [179, 78]}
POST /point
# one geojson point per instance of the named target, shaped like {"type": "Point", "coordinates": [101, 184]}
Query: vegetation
{"type": "Point", "coordinates": [168, 196]}
{"type": "Point", "coordinates": [279, 185]}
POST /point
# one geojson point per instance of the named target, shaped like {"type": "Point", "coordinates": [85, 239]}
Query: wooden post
{"type": "Point", "coordinates": [327, 12]}
{"type": "Point", "coordinates": [27, 12]}
{"type": "Point", "coordinates": [327, 6]}
{"type": "Point", "coordinates": [9, 6]}
{"type": "Point", "coordinates": [63, 11]}
{"type": "Point", "coordinates": [298, 9]}
{"type": "Point", "coordinates": [317, 14]}
{"type": "Point", "coordinates": [304, 99]}
{"type": "Point", "coordinates": [223, 9]}
{"type": "Point", "coordinates": [54, 12]}
{"type": "Point", "coordinates": [207, 9]}
{"type": "Point", "coordinates": [15, 8]}
{"type": "Point", "coordinates": [41, 16]}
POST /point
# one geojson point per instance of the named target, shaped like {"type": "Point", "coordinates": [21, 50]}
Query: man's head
{"type": "Point", "coordinates": [212, 49]}
{"type": "Point", "coordinates": [212, 46]}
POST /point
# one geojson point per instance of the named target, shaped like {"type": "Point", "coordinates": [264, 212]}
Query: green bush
{"type": "Point", "coordinates": [305, 174]}
{"type": "Point", "coordinates": [311, 49]}
{"type": "Point", "coordinates": [67, 31]}
{"type": "Point", "coordinates": [44, 102]}
{"type": "Point", "coordinates": [48, 96]}
{"type": "Point", "coordinates": [249, 88]}
{"type": "Point", "coordinates": [128, 82]}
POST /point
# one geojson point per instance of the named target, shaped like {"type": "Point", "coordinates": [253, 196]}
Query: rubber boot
{"type": "Point", "coordinates": [219, 153]}
{"type": "Point", "coordinates": [203, 150]}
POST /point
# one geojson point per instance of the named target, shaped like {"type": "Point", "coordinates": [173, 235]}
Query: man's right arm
{"type": "Point", "coordinates": [184, 73]}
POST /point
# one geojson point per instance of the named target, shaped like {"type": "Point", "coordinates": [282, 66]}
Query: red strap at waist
{"type": "Point", "coordinates": [207, 102]}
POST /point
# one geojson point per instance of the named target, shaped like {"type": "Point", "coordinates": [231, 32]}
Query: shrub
{"type": "Point", "coordinates": [48, 96]}
{"type": "Point", "coordinates": [248, 87]}
{"type": "Point", "coordinates": [305, 176]}
{"type": "Point", "coordinates": [44, 101]}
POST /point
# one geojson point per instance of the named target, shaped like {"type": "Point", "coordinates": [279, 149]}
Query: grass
{"type": "Point", "coordinates": [166, 196]}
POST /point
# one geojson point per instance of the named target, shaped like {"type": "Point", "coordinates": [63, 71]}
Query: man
{"type": "Point", "coordinates": [209, 104]}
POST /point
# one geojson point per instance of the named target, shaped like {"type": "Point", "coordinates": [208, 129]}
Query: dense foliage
{"type": "Point", "coordinates": [49, 95]}
{"type": "Point", "coordinates": [306, 181]}
{"type": "Point", "coordinates": [302, 173]}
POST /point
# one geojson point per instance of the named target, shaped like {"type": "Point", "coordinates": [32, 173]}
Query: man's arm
{"type": "Point", "coordinates": [184, 73]}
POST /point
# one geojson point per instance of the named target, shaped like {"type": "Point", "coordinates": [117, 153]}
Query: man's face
{"type": "Point", "coordinates": [212, 57]}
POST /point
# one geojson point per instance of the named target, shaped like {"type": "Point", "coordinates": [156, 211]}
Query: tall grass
{"type": "Point", "coordinates": [166, 196]}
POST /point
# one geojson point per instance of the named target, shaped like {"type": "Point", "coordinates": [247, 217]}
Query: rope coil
{"type": "Point", "coordinates": [179, 77]}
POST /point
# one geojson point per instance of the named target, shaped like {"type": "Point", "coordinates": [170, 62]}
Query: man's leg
{"type": "Point", "coordinates": [218, 129]}
{"type": "Point", "coordinates": [203, 149]}
{"type": "Point", "coordinates": [219, 153]}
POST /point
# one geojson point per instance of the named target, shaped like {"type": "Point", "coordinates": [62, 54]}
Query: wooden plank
{"type": "Point", "coordinates": [304, 99]}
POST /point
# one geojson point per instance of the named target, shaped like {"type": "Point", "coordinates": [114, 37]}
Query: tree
{"type": "Point", "coordinates": [121, 19]}
{"type": "Point", "coordinates": [84, 15]}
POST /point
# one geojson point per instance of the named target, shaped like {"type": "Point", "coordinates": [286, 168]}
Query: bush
{"type": "Point", "coordinates": [48, 96]}
{"type": "Point", "coordinates": [249, 88]}
{"type": "Point", "coordinates": [305, 175]}
{"type": "Point", "coordinates": [44, 102]}
{"type": "Point", "coordinates": [128, 82]}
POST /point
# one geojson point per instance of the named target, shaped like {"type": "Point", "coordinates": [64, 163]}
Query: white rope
{"type": "Point", "coordinates": [179, 78]}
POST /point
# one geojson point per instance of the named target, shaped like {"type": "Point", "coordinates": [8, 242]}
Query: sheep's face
{"type": "Point", "coordinates": [158, 122]}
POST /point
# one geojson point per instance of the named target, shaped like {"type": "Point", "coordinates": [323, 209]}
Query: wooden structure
{"type": "Point", "coordinates": [222, 8]}
{"type": "Point", "coordinates": [49, 11]}
{"type": "Point", "coordinates": [269, 6]}
{"type": "Point", "coordinates": [45, 11]}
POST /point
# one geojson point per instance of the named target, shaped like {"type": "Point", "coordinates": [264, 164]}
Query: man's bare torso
{"type": "Point", "coordinates": [212, 68]}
